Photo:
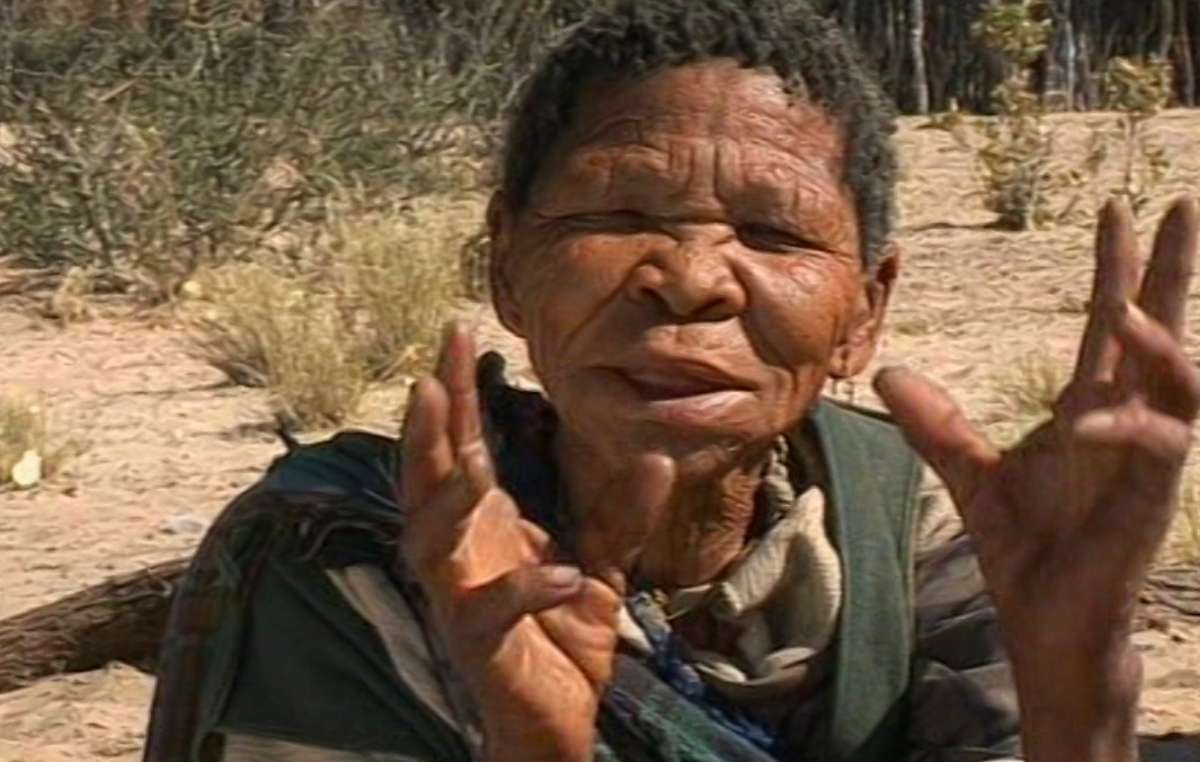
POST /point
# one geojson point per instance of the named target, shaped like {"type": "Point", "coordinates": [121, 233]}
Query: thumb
{"type": "Point", "coordinates": [936, 428]}
{"type": "Point", "coordinates": [486, 613]}
{"type": "Point", "coordinates": [618, 524]}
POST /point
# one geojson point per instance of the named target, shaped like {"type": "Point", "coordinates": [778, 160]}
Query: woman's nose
{"type": "Point", "coordinates": [692, 281]}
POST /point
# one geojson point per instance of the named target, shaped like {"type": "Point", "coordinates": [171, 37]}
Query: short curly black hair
{"type": "Point", "coordinates": [810, 53]}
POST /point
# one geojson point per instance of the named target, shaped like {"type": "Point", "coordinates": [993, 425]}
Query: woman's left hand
{"type": "Point", "coordinates": [1067, 522]}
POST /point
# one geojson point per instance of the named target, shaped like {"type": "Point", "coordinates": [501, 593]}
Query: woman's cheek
{"type": "Point", "coordinates": [797, 308]}
{"type": "Point", "coordinates": [572, 281]}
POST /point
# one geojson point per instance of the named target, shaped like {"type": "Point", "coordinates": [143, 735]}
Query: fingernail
{"type": "Point", "coordinates": [1095, 422]}
{"type": "Point", "coordinates": [888, 371]}
{"type": "Point", "coordinates": [563, 576]}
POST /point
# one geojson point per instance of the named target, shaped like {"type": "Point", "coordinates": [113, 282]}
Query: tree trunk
{"type": "Point", "coordinates": [1166, 27]}
{"type": "Point", "coordinates": [1187, 71]}
{"type": "Point", "coordinates": [121, 619]}
{"type": "Point", "coordinates": [1058, 85]}
{"type": "Point", "coordinates": [916, 40]}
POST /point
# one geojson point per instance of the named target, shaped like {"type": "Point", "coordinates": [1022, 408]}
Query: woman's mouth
{"type": "Point", "coordinates": [684, 393]}
{"type": "Point", "coordinates": [671, 379]}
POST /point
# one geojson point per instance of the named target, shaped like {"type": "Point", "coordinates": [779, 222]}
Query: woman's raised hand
{"type": "Point", "coordinates": [1067, 522]}
{"type": "Point", "coordinates": [532, 638]}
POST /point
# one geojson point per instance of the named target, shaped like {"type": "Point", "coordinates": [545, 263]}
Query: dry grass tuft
{"type": "Point", "coordinates": [395, 279]}
{"type": "Point", "coordinates": [314, 377]}
{"type": "Point", "coordinates": [246, 310]}
{"type": "Point", "coordinates": [366, 303]}
{"type": "Point", "coordinates": [1023, 396]}
{"type": "Point", "coordinates": [24, 430]}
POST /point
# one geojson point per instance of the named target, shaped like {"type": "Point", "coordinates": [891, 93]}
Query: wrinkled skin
{"type": "Point", "coordinates": [687, 274]}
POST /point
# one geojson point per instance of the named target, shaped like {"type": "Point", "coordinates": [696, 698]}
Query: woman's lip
{"type": "Point", "coordinates": [679, 381]}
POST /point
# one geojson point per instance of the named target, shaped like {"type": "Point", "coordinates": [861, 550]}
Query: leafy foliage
{"type": "Point", "coordinates": [1015, 159]}
{"type": "Point", "coordinates": [1139, 89]}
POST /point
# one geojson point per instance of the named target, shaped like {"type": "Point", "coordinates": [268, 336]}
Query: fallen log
{"type": "Point", "coordinates": [121, 619]}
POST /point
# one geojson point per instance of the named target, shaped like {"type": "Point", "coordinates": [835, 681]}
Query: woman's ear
{"type": "Point", "coordinates": [501, 220]}
{"type": "Point", "coordinates": [853, 355]}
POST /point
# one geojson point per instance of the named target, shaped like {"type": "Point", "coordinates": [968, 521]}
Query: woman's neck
{"type": "Point", "coordinates": [704, 525]}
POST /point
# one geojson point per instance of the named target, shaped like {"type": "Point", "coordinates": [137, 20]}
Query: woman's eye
{"type": "Point", "coordinates": [623, 221]}
{"type": "Point", "coordinates": [768, 238]}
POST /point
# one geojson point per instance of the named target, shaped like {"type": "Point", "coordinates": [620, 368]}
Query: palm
{"type": "Point", "coordinates": [1067, 522]}
{"type": "Point", "coordinates": [548, 669]}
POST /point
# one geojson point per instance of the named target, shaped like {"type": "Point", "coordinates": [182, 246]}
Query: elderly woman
{"type": "Point", "coordinates": [681, 552]}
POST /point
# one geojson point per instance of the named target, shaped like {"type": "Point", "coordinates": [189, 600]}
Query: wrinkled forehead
{"type": "Point", "coordinates": [716, 98]}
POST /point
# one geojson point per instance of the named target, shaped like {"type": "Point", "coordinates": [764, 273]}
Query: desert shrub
{"type": "Point", "coordinates": [365, 302]}
{"type": "Point", "coordinates": [314, 377]}
{"type": "Point", "coordinates": [264, 328]}
{"type": "Point", "coordinates": [185, 136]}
{"type": "Point", "coordinates": [1014, 158]}
{"type": "Point", "coordinates": [1139, 90]}
{"type": "Point", "coordinates": [1015, 151]}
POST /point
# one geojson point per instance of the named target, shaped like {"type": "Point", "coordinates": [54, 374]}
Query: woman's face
{"type": "Point", "coordinates": [687, 272]}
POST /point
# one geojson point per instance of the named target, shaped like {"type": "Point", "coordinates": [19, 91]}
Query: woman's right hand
{"type": "Point", "coordinates": [533, 640]}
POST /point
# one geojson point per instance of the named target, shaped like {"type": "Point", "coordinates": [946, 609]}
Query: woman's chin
{"type": "Point", "coordinates": [698, 444]}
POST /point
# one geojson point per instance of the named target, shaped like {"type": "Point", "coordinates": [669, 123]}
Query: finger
{"type": "Point", "coordinates": [937, 429]}
{"type": "Point", "coordinates": [1165, 377]}
{"type": "Point", "coordinates": [1140, 506]}
{"type": "Point", "coordinates": [456, 371]}
{"type": "Point", "coordinates": [1158, 436]}
{"type": "Point", "coordinates": [433, 541]}
{"type": "Point", "coordinates": [1164, 291]}
{"type": "Point", "coordinates": [436, 529]}
{"type": "Point", "coordinates": [617, 526]}
{"type": "Point", "coordinates": [1114, 284]}
{"type": "Point", "coordinates": [427, 458]}
{"type": "Point", "coordinates": [489, 611]}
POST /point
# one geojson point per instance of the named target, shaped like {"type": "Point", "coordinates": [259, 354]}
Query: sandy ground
{"type": "Point", "coordinates": [169, 444]}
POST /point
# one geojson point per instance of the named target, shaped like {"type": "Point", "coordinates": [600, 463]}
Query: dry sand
{"type": "Point", "coordinates": [169, 444]}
